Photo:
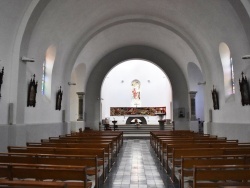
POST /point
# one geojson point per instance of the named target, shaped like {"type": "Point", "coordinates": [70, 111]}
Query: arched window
{"type": "Point", "coordinates": [228, 70]}
{"type": "Point", "coordinates": [47, 71]}
{"type": "Point", "coordinates": [232, 75]}
{"type": "Point", "coordinates": [43, 78]}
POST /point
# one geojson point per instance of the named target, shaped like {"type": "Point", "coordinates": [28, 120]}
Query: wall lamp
{"type": "Point", "coordinates": [202, 83]}
{"type": "Point", "coordinates": [27, 59]}
{"type": "Point", "coordinates": [246, 57]}
{"type": "Point", "coordinates": [71, 83]}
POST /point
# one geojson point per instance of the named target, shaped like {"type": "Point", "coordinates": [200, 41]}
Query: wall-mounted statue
{"type": "Point", "coordinates": [244, 90]}
{"type": "Point", "coordinates": [1, 79]}
{"type": "Point", "coordinates": [32, 90]}
{"type": "Point", "coordinates": [59, 99]}
{"type": "Point", "coordinates": [215, 98]}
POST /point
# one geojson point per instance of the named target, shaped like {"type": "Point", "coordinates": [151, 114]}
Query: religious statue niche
{"type": "Point", "coordinates": [1, 79]}
{"type": "Point", "coordinates": [215, 98]}
{"type": "Point", "coordinates": [59, 99]}
{"type": "Point", "coordinates": [244, 90]}
{"type": "Point", "coordinates": [32, 90]}
{"type": "Point", "coordinates": [136, 94]}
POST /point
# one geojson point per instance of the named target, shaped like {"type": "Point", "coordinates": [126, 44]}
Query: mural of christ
{"type": "Point", "coordinates": [136, 99]}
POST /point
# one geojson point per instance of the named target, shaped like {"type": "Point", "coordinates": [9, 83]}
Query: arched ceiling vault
{"type": "Point", "coordinates": [137, 32]}
{"type": "Point", "coordinates": [188, 31]}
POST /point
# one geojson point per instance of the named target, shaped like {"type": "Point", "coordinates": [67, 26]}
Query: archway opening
{"type": "Point", "coordinates": [136, 88]}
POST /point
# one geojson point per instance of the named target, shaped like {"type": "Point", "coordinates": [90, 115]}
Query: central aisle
{"type": "Point", "coordinates": [137, 167]}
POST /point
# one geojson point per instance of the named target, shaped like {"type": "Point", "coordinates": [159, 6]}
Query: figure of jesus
{"type": "Point", "coordinates": [136, 99]}
{"type": "Point", "coordinates": [136, 94]}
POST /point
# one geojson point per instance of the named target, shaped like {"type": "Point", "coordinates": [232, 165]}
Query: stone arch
{"type": "Point", "coordinates": [166, 63]}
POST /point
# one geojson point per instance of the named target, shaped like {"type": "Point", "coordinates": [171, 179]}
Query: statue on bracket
{"type": "Point", "coordinates": [215, 98]}
{"type": "Point", "coordinates": [244, 90]}
{"type": "Point", "coordinates": [1, 79]}
{"type": "Point", "coordinates": [59, 99]}
{"type": "Point", "coordinates": [32, 90]}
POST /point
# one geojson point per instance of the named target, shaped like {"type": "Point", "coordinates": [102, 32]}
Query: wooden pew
{"type": "Point", "coordinates": [34, 184]}
{"type": "Point", "coordinates": [117, 138]}
{"type": "Point", "coordinates": [235, 186]}
{"type": "Point", "coordinates": [221, 175]}
{"type": "Point", "coordinates": [188, 162]}
{"type": "Point", "coordinates": [169, 147]}
{"type": "Point", "coordinates": [99, 152]}
{"type": "Point", "coordinates": [164, 143]}
{"type": "Point", "coordinates": [160, 140]}
{"type": "Point", "coordinates": [118, 134]}
{"type": "Point", "coordinates": [158, 144]}
{"type": "Point", "coordinates": [106, 146]}
{"type": "Point", "coordinates": [154, 135]}
{"type": "Point", "coordinates": [156, 139]}
{"type": "Point", "coordinates": [71, 175]}
{"type": "Point", "coordinates": [90, 161]}
{"type": "Point", "coordinates": [178, 153]}
{"type": "Point", "coordinates": [165, 151]}
{"type": "Point", "coordinates": [112, 141]}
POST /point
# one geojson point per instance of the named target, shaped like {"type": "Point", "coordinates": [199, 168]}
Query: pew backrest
{"type": "Point", "coordinates": [45, 172]}
{"type": "Point", "coordinates": [219, 175]}
{"type": "Point", "coordinates": [188, 162]}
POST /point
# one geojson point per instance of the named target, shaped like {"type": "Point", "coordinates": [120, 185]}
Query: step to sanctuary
{"type": "Point", "coordinates": [131, 130]}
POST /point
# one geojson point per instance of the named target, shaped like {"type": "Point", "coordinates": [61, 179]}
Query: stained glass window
{"type": "Point", "coordinates": [232, 75]}
{"type": "Point", "coordinates": [43, 78]}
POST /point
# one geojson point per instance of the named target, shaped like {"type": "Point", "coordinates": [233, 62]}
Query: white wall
{"type": "Point", "coordinates": [232, 131]}
{"type": "Point", "coordinates": [155, 89]}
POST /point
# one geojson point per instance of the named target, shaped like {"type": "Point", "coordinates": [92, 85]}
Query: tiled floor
{"type": "Point", "coordinates": [137, 167]}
